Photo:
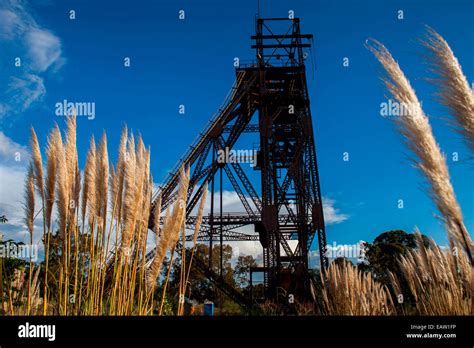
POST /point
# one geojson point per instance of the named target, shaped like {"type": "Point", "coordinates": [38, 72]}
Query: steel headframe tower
{"type": "Point", "coordinates": [289, 205]}
{"type": "Point", "coordinates": [286, 151]}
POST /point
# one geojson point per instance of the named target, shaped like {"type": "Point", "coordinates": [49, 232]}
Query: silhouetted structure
{"type": "Point", "coordinates": [288, 204]}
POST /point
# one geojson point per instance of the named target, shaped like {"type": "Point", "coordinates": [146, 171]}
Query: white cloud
{"type": "Point", "coordinates": [231, 203]}
{"type": "Point", "coordinates": [332, 215]}
{"type": "Point", "coordinates": [13, 163]}
{"type": "Point", "coordinates": [12, 179]}
{"type": "Point", "coordinates": [39, 50]}
{"type": "Point", "coordinates": [12, 176]}
{"type": "Point", "coordinates": [10, 24]}
{"type": "Point", "coordinates": [9, 151]}
{"type": "Point", "coordinates": [11, 193]}
{"type": "Point", "coordinates": [44, 49]}
{"type": "Point", "coordinates": [245, 248]}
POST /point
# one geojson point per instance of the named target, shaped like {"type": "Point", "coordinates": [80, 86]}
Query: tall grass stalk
{"type": "Point", "coordinates": [441, 281]}
{"type": "Point", "coordinates": [416, 129]}
{"type": "Point", "coordinates": [29, 219]}
{"type": "Point", "coordinates": [348, 291]}
{"type": "Point", "coordinates": [95, 248]}
{"type": "Point", "coordinates": [453, 87]}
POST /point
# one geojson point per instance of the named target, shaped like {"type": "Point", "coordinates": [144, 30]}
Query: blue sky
{"type": "Point", "coordinates": [190, 62]}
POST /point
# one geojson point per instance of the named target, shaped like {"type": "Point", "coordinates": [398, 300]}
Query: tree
{"type": "Point", "coordinates": [242, 270]}
{"type": "Point", "coordinates": [3, 219]}
{"type": "Point", "coordinates": [199, 287]}
{"type": "Point", "coordinates": [55, 252]}
{"type": "Point", "coordinates": [381, 258]}
{"type": "Point", "coordinates": [383, 254]}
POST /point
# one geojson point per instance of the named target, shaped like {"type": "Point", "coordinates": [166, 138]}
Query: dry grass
{"type": "Point", "coordinates": [95, 250]}
{"type": "Point", "coordinates": [162, 242]}
{"type": "Point", "coordinates": [177, 225]}
{"type": "Point", "coordinates": [30, 200]}
{"type": "Point", "coordinates": [441, 282]}
{"type": "Point", "coordinates": [454, 90]}
{"type": "Point", "coordinates": [102, 222]}
{"type": "Point", "coordinates": [51, 174]}
{"type": "Point", "coordinates": [348, 291]}
{"type": "Point", "coordinates": [417, 131]}
{"type": "Point", "coordinates": [21, 291]}
{"type": "Point", "coordinates": [29, 219]}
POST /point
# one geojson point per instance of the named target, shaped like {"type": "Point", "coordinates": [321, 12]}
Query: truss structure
{"type": "Point", "coordinates": [280, 192]}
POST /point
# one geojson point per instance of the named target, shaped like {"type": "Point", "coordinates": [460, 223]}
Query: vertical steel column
{"type": "Point", "coordinates": [221, 232]}
{"type": "Point", "coordinates": [211, 231]}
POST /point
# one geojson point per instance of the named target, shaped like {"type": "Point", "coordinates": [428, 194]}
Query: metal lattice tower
{"type": "Point", "coordinates": [269, 98]}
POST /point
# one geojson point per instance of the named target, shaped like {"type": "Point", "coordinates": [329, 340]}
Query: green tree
{"type": "Point", "coordinates": [242, 270]}
{"type": "Point", "coordinates": [55, 253]}
{"type": "Point", "coordinates": [381, 258]}
{"type": "Point", "coordinates": [199, 287]}
{"type": "Point", "coordinates": [383, 254]}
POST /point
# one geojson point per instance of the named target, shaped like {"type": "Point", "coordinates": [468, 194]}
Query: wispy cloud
{"type": "Point", "coordinates": [44, 49]}
{"type": "Point", "coordinates": [39, 50]}
{"type": "Point", "coordinates": [10, 23]}
{"type": "Point", "coordinates": [26, 90]}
